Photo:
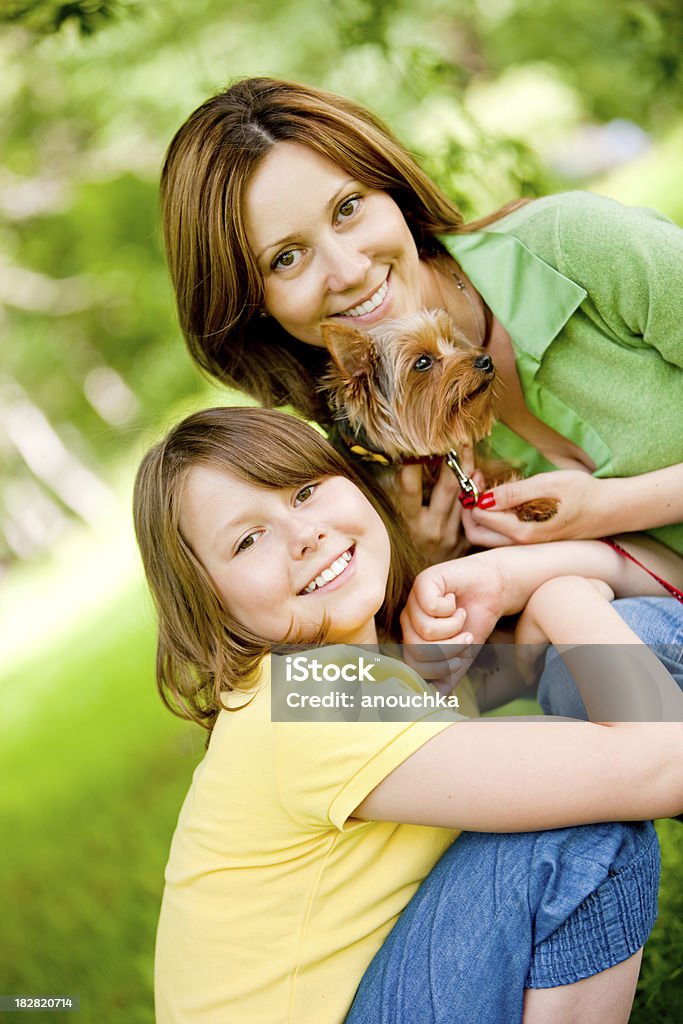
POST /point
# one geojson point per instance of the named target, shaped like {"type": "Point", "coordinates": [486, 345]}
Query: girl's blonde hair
{"type": "Point", "coordinates": [202, 650]}
{"type": "Point", "coordinates": [218, 286]}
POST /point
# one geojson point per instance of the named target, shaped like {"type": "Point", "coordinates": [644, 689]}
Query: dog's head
{"type": "Point", "coordinates": [415, 385]}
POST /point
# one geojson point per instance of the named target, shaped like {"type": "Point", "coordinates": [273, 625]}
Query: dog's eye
{"type": "Point", "coordinates": [423, 363]}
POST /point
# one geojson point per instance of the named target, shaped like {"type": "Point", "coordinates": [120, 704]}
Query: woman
{"type": "Point", "coordinates": [301, 842]}
{"type": "Point", "coordinates": [285, 207]}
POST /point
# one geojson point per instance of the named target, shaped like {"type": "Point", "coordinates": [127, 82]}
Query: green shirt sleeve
{"type": "Point", "coordinates": [630, 261]}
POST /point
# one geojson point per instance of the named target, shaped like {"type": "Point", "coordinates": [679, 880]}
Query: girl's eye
{"type": "Point", "coordinates": [247, 542]}
{"type": "Point", "coordinates": [348, 207]}
{"type": "Point", "coordinates": [287, 259]}
{"type": "Point", "coordinates": [304, 494]}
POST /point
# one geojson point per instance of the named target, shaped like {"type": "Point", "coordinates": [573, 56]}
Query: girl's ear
{"type": "Point", "coordinates": [352, 351]}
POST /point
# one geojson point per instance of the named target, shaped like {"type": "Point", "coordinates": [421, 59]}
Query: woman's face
{"type": "Point", "coordinates": [284, 559]}
{"type": "Point", "coordinates": [329, 248]}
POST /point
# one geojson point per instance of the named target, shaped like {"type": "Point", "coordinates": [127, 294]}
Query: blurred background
{"type": "Point", "coordinates": [499, 98]}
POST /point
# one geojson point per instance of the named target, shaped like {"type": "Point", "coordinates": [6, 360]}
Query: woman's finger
{"type": "Point", "coordinates": [444, 494]}
{"type": "Point", "coordinates": [480, 534]}
{"type": "Point", "coordinates": [410, 490]}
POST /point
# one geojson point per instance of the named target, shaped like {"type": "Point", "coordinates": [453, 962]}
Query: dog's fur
{"type": "Point", "coordinates": [417, 387]}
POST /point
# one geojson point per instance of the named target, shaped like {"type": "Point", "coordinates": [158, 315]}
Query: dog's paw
{"type": "Point", "coordinates": [537, 511]}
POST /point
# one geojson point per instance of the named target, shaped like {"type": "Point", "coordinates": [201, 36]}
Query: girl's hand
{"type": "Point", "coordinates": [436, 527]}
{"type": "Point", "coordinates": [450, 605]}
{"type": "Point", "coordinates": [582, 511]}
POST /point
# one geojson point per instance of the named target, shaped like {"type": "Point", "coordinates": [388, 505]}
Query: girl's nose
{"type": "Point", "coordinates": [346, 266]}
{"type": "Point", "coordinates": [304, 536]}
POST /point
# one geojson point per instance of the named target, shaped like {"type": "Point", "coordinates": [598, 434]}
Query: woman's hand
{"type": "Point", "coordinates": [582, 510]}
{"type": "Point", "coordinates": [436, 527]}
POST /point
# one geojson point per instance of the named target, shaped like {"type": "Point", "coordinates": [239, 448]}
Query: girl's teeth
{"type": "Point", "coordinates": [372, 303]}
{"type": "Point", "coordinates": [335, 569]}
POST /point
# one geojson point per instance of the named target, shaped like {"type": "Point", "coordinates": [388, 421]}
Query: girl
{"type": "Point", "coordinates": [300, 844]}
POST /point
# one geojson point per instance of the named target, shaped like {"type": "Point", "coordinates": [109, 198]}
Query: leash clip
{"type": "Point", "coordinates": [470, 492]}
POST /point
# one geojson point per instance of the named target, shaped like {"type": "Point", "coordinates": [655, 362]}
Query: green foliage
{"type": "Point", "coordinates": [624, 57]}
{"type": "Point", "coordinates": [48, 16]}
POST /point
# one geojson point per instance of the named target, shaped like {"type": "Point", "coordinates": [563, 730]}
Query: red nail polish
{"type": "Point", "coordinates": [466, 500]}
{"type": "Point", "coordinates": [486, 500]}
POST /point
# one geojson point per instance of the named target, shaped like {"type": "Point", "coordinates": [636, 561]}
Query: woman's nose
{"type": "Point", "coordinates": [346, 266]}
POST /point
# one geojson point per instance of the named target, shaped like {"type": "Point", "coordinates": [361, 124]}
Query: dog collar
{"type": "Point", "coordinates": [469, 494]}
{"type": "Point", "coordinates": [359, 447]}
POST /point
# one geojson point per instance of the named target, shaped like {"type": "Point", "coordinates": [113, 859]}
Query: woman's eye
{"type": "Point", "coordinates": [423, 363]}
{"type": "Point", "coordinates": [304, 494]}
{"type": "Point", "coordinates": [348, 208]}
{"type": "Point", "coordinates": [287, 259]}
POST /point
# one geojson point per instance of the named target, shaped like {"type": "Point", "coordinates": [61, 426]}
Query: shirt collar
{"type": "Point", "coordinates": [531, 299]}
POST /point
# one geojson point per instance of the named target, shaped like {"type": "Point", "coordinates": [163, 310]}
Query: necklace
{"type": "Point", "coordinates": [479, 318]}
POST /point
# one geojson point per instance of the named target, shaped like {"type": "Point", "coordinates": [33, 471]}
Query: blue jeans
{"type": "Point", "coordinates": [658, 621]}
{"type": "Point", "coordinates": [501, 913]}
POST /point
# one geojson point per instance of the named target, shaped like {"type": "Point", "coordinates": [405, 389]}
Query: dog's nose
{"type": "Point", "coordinates": [484, 362]}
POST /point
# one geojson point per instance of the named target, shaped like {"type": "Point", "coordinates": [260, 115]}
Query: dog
{"type": "Point", "coordinates": [414, 389]}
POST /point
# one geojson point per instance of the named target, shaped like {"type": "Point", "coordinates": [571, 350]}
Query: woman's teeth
{"type": "Point", "coordinates": [335, 569]}
{"type": "Point", "coordinates": [372, 303]}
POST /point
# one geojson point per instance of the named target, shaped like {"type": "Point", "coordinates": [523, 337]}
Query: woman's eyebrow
{"type": "Point", "coordinates": [291, 236]}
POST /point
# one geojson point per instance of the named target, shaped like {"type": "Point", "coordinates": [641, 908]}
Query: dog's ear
{"type": "Point", "coordinates": [352, 351]}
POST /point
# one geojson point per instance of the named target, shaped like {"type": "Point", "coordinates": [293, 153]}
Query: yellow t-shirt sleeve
{"type": "Point", "coordinates": [326, 768]}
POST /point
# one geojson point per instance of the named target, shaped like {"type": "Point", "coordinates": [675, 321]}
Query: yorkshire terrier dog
{"type": "Point", "coordinates": [414, 388]}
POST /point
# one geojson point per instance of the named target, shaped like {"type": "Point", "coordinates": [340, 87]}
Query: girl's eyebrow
{"type": "Point", "coordinates": [291, 237]}
{"type": "Point", "coordinates": [229, 526]}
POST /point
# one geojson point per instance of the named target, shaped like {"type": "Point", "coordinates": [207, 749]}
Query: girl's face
{"type": "Point", "coordinates": [329, 248]}
{"type": "Point", "coordinates": [282, 559]}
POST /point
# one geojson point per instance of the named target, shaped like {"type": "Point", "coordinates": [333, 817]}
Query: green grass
{"type": "Point", "coordinates": [94, 771]}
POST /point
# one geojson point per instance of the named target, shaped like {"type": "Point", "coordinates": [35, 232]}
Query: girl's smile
{"type": "Point", "coordinates": [327, 245]}
{"type": "Point", "coordinates": [331, 574]}
{"type": "Point", "coordinates": [286, 561]}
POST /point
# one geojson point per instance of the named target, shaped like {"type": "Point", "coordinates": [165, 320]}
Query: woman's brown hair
{"type": "Point", "coordinates": [202, 650]}
{"type": "Point", "coordinates": [218, 287]}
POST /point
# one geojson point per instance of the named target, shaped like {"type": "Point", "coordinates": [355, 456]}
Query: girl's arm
{"type": "Point", "coordinates": [505, 775]}
{"type": "Point", "coordinates": [472, 593]}
{"type": "Point", "coordinates": [588, 507]}
{"type": "Point", "coordinates": [618, 676]}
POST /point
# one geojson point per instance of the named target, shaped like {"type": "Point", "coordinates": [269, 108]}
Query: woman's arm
{"type": "Point", "coordinates": [515, 775]}
{"type": "Point", "coordinates": [588, 507]}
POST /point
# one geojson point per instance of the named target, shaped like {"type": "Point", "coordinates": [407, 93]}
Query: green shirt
{"type": "Point", "coordinates": [591, 293]}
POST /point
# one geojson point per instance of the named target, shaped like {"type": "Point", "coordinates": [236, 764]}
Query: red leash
{"type": "Point", "coordinates": [674, 591]}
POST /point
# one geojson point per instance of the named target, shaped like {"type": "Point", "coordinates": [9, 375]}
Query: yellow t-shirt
{"type": "Point", "coordinates": [275, 900]}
